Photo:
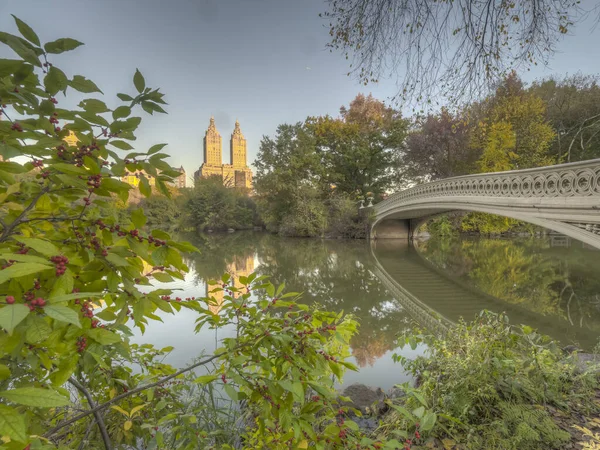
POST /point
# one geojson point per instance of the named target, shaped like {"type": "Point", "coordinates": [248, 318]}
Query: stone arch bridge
{"type": "Point", "coordinates": [563, 198]}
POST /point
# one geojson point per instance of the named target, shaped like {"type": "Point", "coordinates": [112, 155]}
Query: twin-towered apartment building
{"type": "Point", "coordinates": [236, 174]}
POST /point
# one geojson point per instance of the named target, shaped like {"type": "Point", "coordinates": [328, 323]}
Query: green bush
{"type": "Point", "coordinates": [212, 205]}
{"type": "Point", "coordinates": [161, 212]}
{"type": "Point", "coordinates": [489, 385]}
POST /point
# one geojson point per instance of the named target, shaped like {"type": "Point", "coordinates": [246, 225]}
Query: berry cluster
{"type": "Point", "coordinates": [36, 303]}
{"type": "Point", "coordinates": [81, 344]}
{"type": "Point", "coordinates": [54, 119]}
{"type": "Point", "coordinates": [9, 263]}
{"type": "Point", "coordinates": [94, 182]}
{"type": "Point", "coordinates": [23, 249]}
{"type": "Point", "coordinates": [61, 264]}
{"type": "Point", "coordinates": [105, 133]}
{"type": "Point", "coordinates": [16, 126]}
{"type": "Point", "coordinates": [53, 100]}
{"type": "Point", "coordinates": [133, 233]}
{"type": "Point", "coordinates": [86, 308]}
{"type": "Point", "coordinates": [167, 298]}
{"type": "Point", "coordinates": [37, 163]}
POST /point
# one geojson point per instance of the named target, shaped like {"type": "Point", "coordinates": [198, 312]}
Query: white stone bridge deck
{"type": "Point", "coordinates": [564, 198]}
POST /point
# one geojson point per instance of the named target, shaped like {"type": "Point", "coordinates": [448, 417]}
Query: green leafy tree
{"type": "Point", "coordinates": [573, 110]}
{"type": "Point", "coordinates": [360, 150]}
{"type": "Point", "coordinates": [288, 172]}
{"type": "Point", "coordinates": [215, 206]}
{"type": "Point", "coordinates": [75, 280]}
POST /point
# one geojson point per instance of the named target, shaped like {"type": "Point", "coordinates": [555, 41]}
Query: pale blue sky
{"type": "Point", "coordinates": [261, 61]}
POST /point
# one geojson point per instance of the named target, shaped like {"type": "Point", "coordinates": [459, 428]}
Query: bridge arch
{"type": "Point", "coordinates": [563, 198]}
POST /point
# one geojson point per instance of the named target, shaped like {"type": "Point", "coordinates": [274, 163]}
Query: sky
{"type": "Point", "coordinates": [262, 62]}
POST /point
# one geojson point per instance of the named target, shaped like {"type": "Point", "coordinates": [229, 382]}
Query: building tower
{"type": "Point", "coordinates": [238, 147]}
{"type": "Point", "coordinates": [237, 173]}
{"type": "Point", "coordinates": [213, 149]}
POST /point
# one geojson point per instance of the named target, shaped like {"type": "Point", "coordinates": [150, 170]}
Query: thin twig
{"type": "Point", "coordinates": [131, 392]}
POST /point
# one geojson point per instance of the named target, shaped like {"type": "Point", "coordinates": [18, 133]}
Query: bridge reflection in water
{"type": "Point", "coordinates": [435, 298]}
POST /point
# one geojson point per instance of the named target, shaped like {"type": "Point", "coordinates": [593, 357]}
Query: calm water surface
{"type": "Point", "coordinates": [552, 284]}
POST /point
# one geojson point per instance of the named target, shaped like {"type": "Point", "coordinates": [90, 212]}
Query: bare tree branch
{"type": "Point", "coordinates": [456, 48]}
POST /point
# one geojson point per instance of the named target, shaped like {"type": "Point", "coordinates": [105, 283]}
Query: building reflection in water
{"type": "Point", "coordinates": [239, 267]}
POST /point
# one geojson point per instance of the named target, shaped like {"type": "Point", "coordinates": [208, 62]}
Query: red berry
{"type": "Point", "coordinates": [10, 299]}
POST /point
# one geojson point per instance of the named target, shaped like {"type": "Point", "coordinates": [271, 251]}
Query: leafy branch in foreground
{"type": "Point", "coordinates": [77, 278]}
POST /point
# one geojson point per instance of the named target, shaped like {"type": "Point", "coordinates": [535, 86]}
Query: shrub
{"type": "Point", "coordinates": [488, 384]}
{"type": "Point", "coordinates": [75, 281]}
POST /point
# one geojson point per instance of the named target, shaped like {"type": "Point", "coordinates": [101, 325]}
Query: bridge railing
{"type": "Point", "coordinates": [563, 180]}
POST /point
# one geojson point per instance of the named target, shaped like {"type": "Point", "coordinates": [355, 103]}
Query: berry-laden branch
{"type": "Point", "coordinates": [135, 391]}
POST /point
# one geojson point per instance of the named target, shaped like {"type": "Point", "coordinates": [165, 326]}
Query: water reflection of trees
{"type": "Point", "coordinates": [337, 276]}
{"type": "Point", "coordinates": [561, 282]}
{"type": "Point", "coordinates": [333, 274]}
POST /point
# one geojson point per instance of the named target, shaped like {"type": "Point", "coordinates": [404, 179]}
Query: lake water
{"type": "Point", "coordinates": [552, 284]}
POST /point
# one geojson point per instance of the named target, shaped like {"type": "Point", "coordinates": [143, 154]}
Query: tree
{"type": "Point", "coordinates": [215, 206]}
{"type": "Point", "coordinates": [513, 132]}
{"type": "Point", "coordinates": [456, 48]}
{"type": "Point", "coordinates": [573, 109]}
{"type": "Point", "coordinates": [360, 150]}
{"type": "Point", "coordinates": [288, 172]}
{"type": "Point", "coordinates": [439, 148]}
{"type": "Point", "coordinates": [75, 281]}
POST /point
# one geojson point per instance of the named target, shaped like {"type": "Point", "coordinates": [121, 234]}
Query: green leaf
{"type": "Point", "coordinates": [117, 260]}
{"type": "Point", "coordinates": [65, 370]}
{"type": "Point", "coordinates": [125, 97]}
{"type": "Point", "coordinates": [162, 277]}
{"type": "Point", "coordinates": [55, 81]}
{"type": "Point", "coordinates": [4, 372]}
{"type": "Point", "coordinates": [121, 145]}
{"type": "Point", "coordinates": [231, 392]}
{"type": "Point", "coordinates": [9, 66]}
{"type": "Point", "coordinates": [67, 297]}
{"type": "Point", "coordinates": [103, 336]}
{"type": "Point", "coordinates": [62, 314]}
{"type": "Point", "coordinates": [12, 424]}
{"type": "Point", "coordinates": [84, 85]}
{"type": "Point", "coordinates": [419, 412]}
{"type": "Point", "coordinates": [38, 397]}
{"type": "Point", "coordinates": [23, 258]}
{"type": "Point", "coordinates": [428, 421]}
{"type": "Point", "coordinates": [295, 388]}
{"type": "Point", "coordinates": [20, 48]}
{"type": "Point", "coordinates": [205, 379]}
{"type": "Point", "coordinates": [44, 204]}
{"type": "Point", "coordinates": [138, 218]}
{"type": "Point", "coordinates": [93, 106]}
{"type": "Point", "coordinates": [138, 81]}
{"type": "Point", "coordinates": [37, 330]}
{"type": "Point", "coordinates": [121, 112]}
{"type": "Point", "coordinates": [44, 247]}
{"type": "Point", "coordinates": [26, 31]}
{"type": "Point", "coordinates": [8, 151]}
{"type": "Point", "coordinates": [144, 186]}
{"type": "Point", "coordinates": [156, 148]}
{"type": "Point", "coordinates": [20, 270]}
{"type": "Point", "coordinates": [62, 45]}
